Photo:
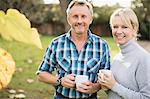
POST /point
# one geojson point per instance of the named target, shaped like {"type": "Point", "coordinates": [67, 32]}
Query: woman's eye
{"type": "Point", "coordinates": [124, 27]}
{"type": "Point", "coordinates": [115, 26]}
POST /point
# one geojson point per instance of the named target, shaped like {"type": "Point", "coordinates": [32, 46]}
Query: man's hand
{"type": "Point", "coordinates": [68, 81]}
{"type": "Point", "coordinates": [88, 87]}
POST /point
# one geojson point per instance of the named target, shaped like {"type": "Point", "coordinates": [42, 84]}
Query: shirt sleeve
{"type": "Point", "coordinates": [49, 61]}
{"type": "Point", "coordinates": [106, 57]}
{"type": "Point", "coordinates": [143, 81]}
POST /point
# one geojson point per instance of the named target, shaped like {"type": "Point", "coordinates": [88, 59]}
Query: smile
{"type": "Point", "coordinates": [120, 35]}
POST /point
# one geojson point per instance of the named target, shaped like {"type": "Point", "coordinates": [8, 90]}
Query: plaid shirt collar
{"type": "Point", "coordinates": [68, 36]}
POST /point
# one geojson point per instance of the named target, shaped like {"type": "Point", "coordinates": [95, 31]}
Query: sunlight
{"type": "Point", "coordinates": [123, 3]}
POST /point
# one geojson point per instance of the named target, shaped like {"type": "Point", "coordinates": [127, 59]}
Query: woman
{"type": "Point", "coordinates": [130, 77]}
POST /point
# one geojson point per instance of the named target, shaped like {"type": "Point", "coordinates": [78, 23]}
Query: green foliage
{"type": "Point", "coordinates": [142, 9]}
{"type": "Point", "coordinates": [101, 19]}
{"type": "Point", "coordinates": [23, 54]}
{"type": "Point", "coordinates": [39, 13]}
{"type": "Point", "coordinates": [112, 45]}
{"type": "Point", "coordinates": [102, 14]}
{"type": "Point", "coordinates": [35, 10]}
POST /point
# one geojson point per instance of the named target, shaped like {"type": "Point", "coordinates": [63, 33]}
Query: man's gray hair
{"type": "Point", "coordinates": [79, 2]}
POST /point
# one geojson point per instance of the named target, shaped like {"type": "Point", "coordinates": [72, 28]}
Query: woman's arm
{"type": "Point", "coordinates": [142, 78]}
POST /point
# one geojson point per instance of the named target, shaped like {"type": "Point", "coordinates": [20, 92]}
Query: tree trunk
{"type": "Point", "coordinates": [63, 5]}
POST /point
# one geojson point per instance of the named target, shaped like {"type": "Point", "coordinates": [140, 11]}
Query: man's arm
{"type": "Point", "coordinates": [67, 81]}
{"type": "Point", "coordinates": [47, 78]}
{"type": "Point", "coordinates": [47, 66]}
{"type": "Point", "coordinates": [106, 57]}
{"type": "Point", "coordinates": [89, 87]}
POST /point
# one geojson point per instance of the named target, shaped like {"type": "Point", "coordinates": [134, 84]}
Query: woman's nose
{"type": "Point", "coordinates": [119, 30]}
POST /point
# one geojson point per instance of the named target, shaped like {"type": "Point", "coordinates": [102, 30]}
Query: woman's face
{"type": "Point", "coordinates": [121, 32]}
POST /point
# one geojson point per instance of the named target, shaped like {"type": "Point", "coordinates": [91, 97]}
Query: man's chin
{"type": "Point", "coordinates": [79, 32]}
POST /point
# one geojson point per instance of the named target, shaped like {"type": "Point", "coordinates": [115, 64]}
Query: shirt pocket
{"type": "Point", "coordinates": [64, 63]}
{"type": "Point", "coordinates": [93, 65]}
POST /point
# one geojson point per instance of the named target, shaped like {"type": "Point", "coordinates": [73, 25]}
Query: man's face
{"type": "Point", "coordinates": [79, 19]}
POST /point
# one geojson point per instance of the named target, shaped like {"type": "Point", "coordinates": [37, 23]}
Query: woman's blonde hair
{"type": "Point", "coordinates": [128, 17]}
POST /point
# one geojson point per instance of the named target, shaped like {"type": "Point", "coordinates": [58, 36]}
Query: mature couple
{"type": "Point", "coordinates": [80, 52]}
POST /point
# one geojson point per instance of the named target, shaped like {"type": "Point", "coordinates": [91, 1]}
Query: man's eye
{"type": "Point", "coordinates": [83, 16]}
{"type": "Point", "coordinates": [75, 16]}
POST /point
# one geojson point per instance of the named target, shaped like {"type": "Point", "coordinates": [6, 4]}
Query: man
{"type": "Point", "coordinates": [78, 52]}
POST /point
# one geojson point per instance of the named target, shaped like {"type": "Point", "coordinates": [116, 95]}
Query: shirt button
{"type": "Point", "coordinates": [69, 57]}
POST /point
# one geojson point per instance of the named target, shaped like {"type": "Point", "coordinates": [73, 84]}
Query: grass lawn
{"type": "Point", "coordinates": [27, 58]}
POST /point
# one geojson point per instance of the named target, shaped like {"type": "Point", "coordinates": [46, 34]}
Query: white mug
{"type": "Point", "coordinates": [80, 79]}
{"type": "Point", "coordinates": [102, 73]}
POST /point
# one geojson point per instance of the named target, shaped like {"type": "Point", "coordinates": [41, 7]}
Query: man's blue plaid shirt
{"type": "Point", "coordinates": [63, 55]}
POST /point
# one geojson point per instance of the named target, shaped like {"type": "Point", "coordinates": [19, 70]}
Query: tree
{"type": "Point", "coordinates": [142, 10]}
{"type": "Point", "coordinates": [27, 7]}
{"type": "Point", "coordinates": [101, 19]}
{"type": "Point", "coordinates": [38, 13]}
{"type": "Point", "coordinates": [63, 5]}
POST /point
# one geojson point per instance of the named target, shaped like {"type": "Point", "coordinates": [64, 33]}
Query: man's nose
{"type": "Point", "coordinates": [79, 20]}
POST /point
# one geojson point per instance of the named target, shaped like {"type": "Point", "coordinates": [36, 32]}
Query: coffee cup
{"type": "Point", "coordinates": [103, 72]}
{"type": "Point", "coordinates": [80, 79]}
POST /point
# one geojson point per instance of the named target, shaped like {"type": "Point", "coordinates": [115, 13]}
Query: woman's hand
{"type": "Point", "coordinates": [106, 80]}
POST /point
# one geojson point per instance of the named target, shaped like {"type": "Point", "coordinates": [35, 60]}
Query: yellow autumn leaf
{"type": "Point", "coordinates": [2, 25]}
{"type": "Point", "coordinates": [15, 25]}
{"type": "Point", "coordinates": [7, 68]}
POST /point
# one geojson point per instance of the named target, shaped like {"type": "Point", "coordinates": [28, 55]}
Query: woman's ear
{"type": "Point", "coordinates": [91, 20]}
{"type": "Point", "coordinates": [134, 33]}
